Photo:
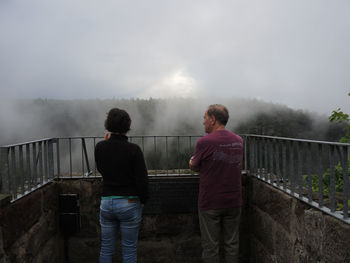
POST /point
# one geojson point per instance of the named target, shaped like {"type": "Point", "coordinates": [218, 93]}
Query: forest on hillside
{"type": "Point", "coordinates": [25, 120]}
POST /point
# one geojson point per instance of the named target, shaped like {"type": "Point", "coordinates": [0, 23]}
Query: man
{"type": "Point", "coordinates": [218, 158]}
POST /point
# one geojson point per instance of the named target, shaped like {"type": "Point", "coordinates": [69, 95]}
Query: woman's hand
{"type": "Point", "coordinates": [107, 136]}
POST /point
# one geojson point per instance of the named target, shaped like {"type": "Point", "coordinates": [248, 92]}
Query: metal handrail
{"type": "Point", "coordinates": [296, 140]}
{"type": "Point", "coordinates": [26, 166]}
{"type": "Point", "coordinates": [298, 167]}
{"type": "Point", "coordinates": [315, 172]}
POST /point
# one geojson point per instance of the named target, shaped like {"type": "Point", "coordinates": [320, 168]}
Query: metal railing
{"type": "Point", "coordinates": [315, 172]}
{"type": "Point", "coordinates": [164, 155]}
{"type": "Point", "coordinates": [27, 166]}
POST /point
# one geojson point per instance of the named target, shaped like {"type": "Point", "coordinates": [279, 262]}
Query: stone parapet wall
{"type": "Point", "coordinates": [285, 229]}
{"type": "Point", "coordinates": [28, 227]}
{"type": "Point", "coordinates": [274, 226]}
{"type": "Point", "coordinates": [169, 230]}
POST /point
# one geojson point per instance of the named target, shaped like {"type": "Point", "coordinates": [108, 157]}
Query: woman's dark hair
{"type": "Point", "coordinates": [118, 121]}
{"type": "Point", "coordinates": [220, 113]}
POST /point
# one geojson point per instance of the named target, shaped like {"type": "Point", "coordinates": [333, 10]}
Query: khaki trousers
{"type": "Point", "coordinates": [217, 225]}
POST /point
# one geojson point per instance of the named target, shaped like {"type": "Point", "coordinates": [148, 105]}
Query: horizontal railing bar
{"type": "Point", "coordinates": [306, 200]}
{"type": "Point", "coordinates": [149, 175]}
{"type": "Point", "coordinates": [39, 186]}
{"type": "Point", "coordinates": [289, 164]}
{"type": "Point", "coordinates": [25, 143]}
{"type": "Point", "coordinates": [297, 140]}
{"type": "Point", "coordinates": [184, 136]}
{"type": "Point", "coordinates": [130, 136]}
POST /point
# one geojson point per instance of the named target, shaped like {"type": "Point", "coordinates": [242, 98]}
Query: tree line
{"type": "Point", "coordinates": [24, 120]}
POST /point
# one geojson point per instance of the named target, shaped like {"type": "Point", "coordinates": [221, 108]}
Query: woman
{"type": "Point", "coordinates": [125, 187]}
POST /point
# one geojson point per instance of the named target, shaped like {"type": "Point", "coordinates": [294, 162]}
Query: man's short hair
{"type": "Point", "coordinates": [220, 113]}
{"type": "Point", "coordinates": [118, 121]}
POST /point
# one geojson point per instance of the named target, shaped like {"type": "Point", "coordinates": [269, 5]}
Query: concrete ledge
{"type": "Point", "coordinates": [274, 227]}
{"type": "Point", "coordinates": [29, 226]}
{"type": "Point", "coordinates": [5, 200]}
{"type": "Point", "coordinates": [285, 229]}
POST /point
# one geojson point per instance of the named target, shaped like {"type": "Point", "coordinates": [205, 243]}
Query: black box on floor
{"type": "Point", "coordinates": [69, 210]}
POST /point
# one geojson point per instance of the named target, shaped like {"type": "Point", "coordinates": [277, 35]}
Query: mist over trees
{"type": "Point", "coordinates": [25, 120]}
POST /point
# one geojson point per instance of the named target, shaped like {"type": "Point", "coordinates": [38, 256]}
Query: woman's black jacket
{"type": "Point", "coordinates": [122, 167]}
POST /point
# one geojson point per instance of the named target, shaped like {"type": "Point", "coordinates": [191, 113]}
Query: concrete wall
{"type": "Point", "coordinates": [169, 230]}
{"type": "Point", "coordinates": [274, 226]}
{"type": "Point", "coordinates": [28, 227]}
{"type": "Point", "coordinates": [285, 229]}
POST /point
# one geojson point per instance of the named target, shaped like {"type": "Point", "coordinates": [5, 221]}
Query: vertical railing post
{"type": "Point", "coordinates": [271, 162]}
{"type": "Point", "coordinates": [86, 157]}
{"type": "Point", "coordinates": [345, 161]}
{"type": "Point", "coordinates": [28, 168]}
{"type": "Point", "coordinates": [251, 156]}
{"type": "Point", "coordinates": [155, 152]}
{"type": "Point", "coordinates": [167, 156]}
{"type": "Point", "coordinates": [178, 154]}
{"type": "Point", "coordinates": [300, 166]}
{"type": "Point", "coordinates": [34, 180]}
{"type": "Point", "coordinates": [320, 176]}
{"type": "Point", "coordinates": [278, 170]}
{"type": "Point", "coordinates": [332, 179]}
{"type": "Point", "coordinates": [291, 167]}
{"type": "Point", "coordinates": [260, 152]}
{"type": "Point", "coordinates": [13, 173]}
{"type": "Point", "coordinates": [21, 168]}
{"type": "Point", "coordinates": [82, 157]}
{"type": "Point", "coordinates": [256, 154]}
{"type": "Point", "coordinates": [40, 162]}
{"type": "Point", "coordinates": [245, 149]}
{"type": "Point", "coordinates": [70, 158]}
{"type": "Point", "coordinates": [95, 168]}
{"type": "Point", "coordinates": [284, 168]}
{"type": "Point", "coordinates": [266, 159]}
{"type": "Point", "coordinates": [46, 172]}
{"type": "Point", "coordinates": [4, 172]}
{"type": "Point", "coordinates": [309, 176]}
{"type": "Point", "coordinates": [58, 158]}
{"type": "Point", "coordinates": [50, 160]}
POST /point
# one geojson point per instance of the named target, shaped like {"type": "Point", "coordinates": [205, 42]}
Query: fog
{"type": "Point", "coordinates": [293, 53]}
{"type": "Point", "coordinates": [25, 120]}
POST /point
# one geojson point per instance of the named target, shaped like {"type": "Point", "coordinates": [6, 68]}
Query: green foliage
{"type": "Point", "coordinates": [340, 206]}
{"type": "Point", "coordinates": [326, 181]}
{"type": "Point", "coordinates": [338, 179]}
{"type": "Point", "coordinates": [340, 117]}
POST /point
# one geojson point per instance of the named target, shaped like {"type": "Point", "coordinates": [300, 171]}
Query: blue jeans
{"type": "Point", "coordinates": [124, 215]}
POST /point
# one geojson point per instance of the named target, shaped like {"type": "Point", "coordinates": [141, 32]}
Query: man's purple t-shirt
{"type": "Point", "coordinates": [219, 157]}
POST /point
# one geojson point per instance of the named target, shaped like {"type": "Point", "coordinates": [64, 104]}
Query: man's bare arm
{"type": "Point", "coordinates": [192, 167]}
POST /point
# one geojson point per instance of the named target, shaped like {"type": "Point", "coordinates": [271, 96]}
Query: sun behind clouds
{"type": "Point", "coordinates": [175, 85]}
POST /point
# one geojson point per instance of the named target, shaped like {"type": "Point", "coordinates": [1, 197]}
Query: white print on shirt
{"type": "Point", "coordinates": [227, 158]}
{"type": "Point", "coordinates": [234, 145]}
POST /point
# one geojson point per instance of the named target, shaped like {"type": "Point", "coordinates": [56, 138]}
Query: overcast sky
{"type": "Point", "coordinates": [289, 52]}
